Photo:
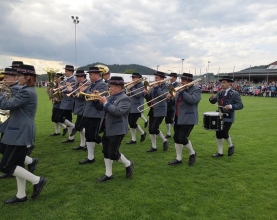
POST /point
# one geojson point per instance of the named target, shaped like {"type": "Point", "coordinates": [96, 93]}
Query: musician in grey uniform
{"type": "Point", "coordinates": [56, 106]}
{"type": "Point", "coordinates": [229, 101]}
{"type": "Point", "coordinates": [158, 110]}
{"type": "Point", "coordinates": [65, 112]}
{"type": "Point", "coordinates": [186, 116]}
{"type": "Point", "coordinates": [20, 133]}
{"type": "Point", "coordinates": [10, 78]}
{"type": "Point", "coordinates": [170, 106]}
{"type": "Point", "coordinates": [78, 108]}
{"type": "Point", "coordinates": [116, 107]}
{"type": "Point", "coordinates": [137, 100]}
{"type": "Point", "coordinates": [91, 117]}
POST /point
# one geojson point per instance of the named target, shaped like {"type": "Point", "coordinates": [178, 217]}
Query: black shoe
{"type": "Point", "coordinates": [104, 178]}
{"type": "Point", "coordinates": [131, 142]}
{"type": "Point", "coordinates": [68, 141]}
{"type": "Point", "coordinates": [30, 149]}
{"type": "Point", "coordinates": [217, 155]}
{"type": "Point", "coordinates": [64, 131]}
{"type": "Point", "coordinates": [15, 200]}
{"type": "Point", "coordinates": [192, 159]}
{"type": "Point", "coordinates": [146, 124]}
{"type": "Point", "coordinates": [32, 166]}
{"type": "Point", "coordinates": [73, 132]}
{"type": "Point", "coordinates": [165, 145]}
{"type": "Point", "coordinates": [130, 169]}
{"type": "Point", "coordinates": [152, 149]}
{"type": "Point", "coordinates": [87, 161]}
{"type": "Point", "coordinates": [143, 136]}
{"type": "Point", "coordinates": [55, 134]}
{"type": "Point", "coordinates": [6, 175]}
{"type": "Point", "coordinates": [85, 148]}
{"type": "Point", "coordinates": [78, 148]}
{"type": "Point", "coordinates": [38, 187]}
{"type": "Point", "coordinates": [168, 136]}
{"type": "Point", "coordinates": [174, 162]}
{"type": "Point", "coordinates": [231, 150]}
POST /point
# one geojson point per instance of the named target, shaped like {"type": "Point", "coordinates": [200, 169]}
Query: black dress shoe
{"type": "Point", "coordinates": [30, 149]}
{"type": "Point", "coordinates": [174, 162]}
{"type": "Point", "coordinates": [192, 159]}
{"type": "Point", "coordinates": [55, 134]}
{"type": "Point", "coordinates": [130, 169]}
{"type": "Point", "coordinates": [104, 178]}
{"type": "Point", "coordinates": [73, 132]}
{"type": "Point", "coordinates": [78, 148]}
{"type": "Point", "coordinates": [5, 175]}
{"type": "Point", "coordinates": [231, 150]}
{"type": "Point", "coordinates": [143, 136]}
{"type": "Point", "coordinates": [32, 166]}
{"type": "Point", "coordinates": [146, 124]}
{"type": "Point", "coordinates": [68, 141]}
{"type": "Point", "coordinates": [131, 142]}
{"type": "Point", "coordinates": [165, 145]}
{"type": "Point", "coordinates": [168, 136]}
{"type": "Point", "coordinates": [85, 148]}
{"type": "Point", "coordinates": [152, 149]}
{"type": "Point", "coordinates": [15, 200]}
{"type": "Point", "coordinates": [217, 155]}
{"type": "Point", "coordinates": [64, 131]}
{"type": "Point", "coordinates": [38, 187]}
{"type": "Point", "coordinates": [87, 161]}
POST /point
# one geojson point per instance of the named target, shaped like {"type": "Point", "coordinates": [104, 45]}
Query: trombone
{"type": "Point", "coordinates": [88, 83]}
{"type": "Point", "coordinates": [62, 87]}
{"type": "Point", "coordinates": [172, 91]}
{"type": "Point", "coordinates": [148, 85]}
{"type": "Point", "coordinates": [93, 96]}
{"type": "Point", "coordinates": [133, 83]}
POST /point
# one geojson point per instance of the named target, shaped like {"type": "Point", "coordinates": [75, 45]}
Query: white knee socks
{"type": "Point", "coordinates": [90, 147]}
{"type": "Point", "coordinates": [179, 148]}
{"type": "Point", "coordinates": [109, 167]}
{"type": "Point", "coordinates": [24, 174]}
{"type": "Point", "coordinates": [189, 147]}
{"type": "Point", "coordinates": [220, 145]}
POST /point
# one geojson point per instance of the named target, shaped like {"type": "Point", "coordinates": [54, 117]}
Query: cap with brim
{"type": "Point", "coordinates": [69, 67]}
{"type": "Point", "coordinates": [59, 74]}
{"type": "Point", "coordinates": [16, 63]}
{"type": "Point", "coordinates": [187, 76]}
{"type": "Point", "coordinates": [10, 71]}
{"type": "Point", "coordinates": [161, 74]}
{"type": "Point", "coordinates": [137, 75]}
{"type": "Point", "coordinates": [26, 70]}
{"type": "Point", "coordinates": [173, 74]}
{"type": "Point", "coordinates": [116, 80]}
{"type": "Point", "coordinates": [93, 69]}
{"type": "Point", "coordinates": [80, 73]}
{"type": "Point", "coordinates": [227, 78]}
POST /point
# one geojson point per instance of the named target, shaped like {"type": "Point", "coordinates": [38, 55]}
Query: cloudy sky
{"type": "Point", "coordinates": [207, 34]}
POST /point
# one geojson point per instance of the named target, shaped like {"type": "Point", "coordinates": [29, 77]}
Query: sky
{"type": "Point", "coordinates": [195, 36]}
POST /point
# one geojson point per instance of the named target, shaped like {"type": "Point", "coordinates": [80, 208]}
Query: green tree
{"type": "Point", "coordinates": [129, 71]}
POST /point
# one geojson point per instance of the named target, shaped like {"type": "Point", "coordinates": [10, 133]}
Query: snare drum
{"type": "Point", "coordinates": [212, 121]}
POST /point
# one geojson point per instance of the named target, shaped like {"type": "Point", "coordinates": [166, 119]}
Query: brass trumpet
{"type": "Point", "coordinates": [88, 83]}
{"type": "Point", "coordinates": [93, 96]}
{"type": "Point", "coordinates": [171, 90]}
{"type": "Point", "coordinates": [62, 87]}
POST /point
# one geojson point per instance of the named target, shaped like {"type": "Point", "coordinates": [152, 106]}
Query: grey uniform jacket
{"type": "Point", "coordinates": [89, 109]}
{"type": "Point", "coordinates": [137, 99]}
{"type": "Point", "coordinates": [160, 109]}
{"type": "Point", "coordinates": [14, 89]}
{"type": "Point", "coordinates": [116, 114]}
{"type": "Point", "coordinates": [21, 130]}
{"type": "Point", "coordinates": [79, 102]}
{"type": "Point", "coordinates": [67, 102]}
{"type": "Point", "coordinates": [232, 98]}
{"type": "Point", "coordinates": [188, 106]}
{"type": "Point", "coordinates": [170, 103]}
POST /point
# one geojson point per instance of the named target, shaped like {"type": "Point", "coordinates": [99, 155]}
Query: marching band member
{"type": "Point", "coordinates": [229, 101]}
{"type": "Point", "coordinates": [157, 111]}
{"type": "Point", "coordinates": [137, 99]}
{"type": "Point", "coordinates": [20, 133]}
{"type": "Point", "coordinates": [116, 108]}
{"type": "Point", "coordinates": [170, 108]}
{"type": "Point", "coordinates": [186, 116]}
{"type": "Point", "coordinates": [106, 77]}
{"type": "Point", "coordinates": [78, 107]}
{"type": "Point", "coordinates": [91, 116]}
{"type": "Point", "coordinates": [56, 107]}
{"type": "Point", "coordinates": [65, 112]}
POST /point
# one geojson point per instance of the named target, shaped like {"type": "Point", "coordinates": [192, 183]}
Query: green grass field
{"type": "Point", "coordinates": [237, 187]}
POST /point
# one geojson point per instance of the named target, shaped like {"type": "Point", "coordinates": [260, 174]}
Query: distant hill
{"type": "Point", "coordinates": [121, 68]}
